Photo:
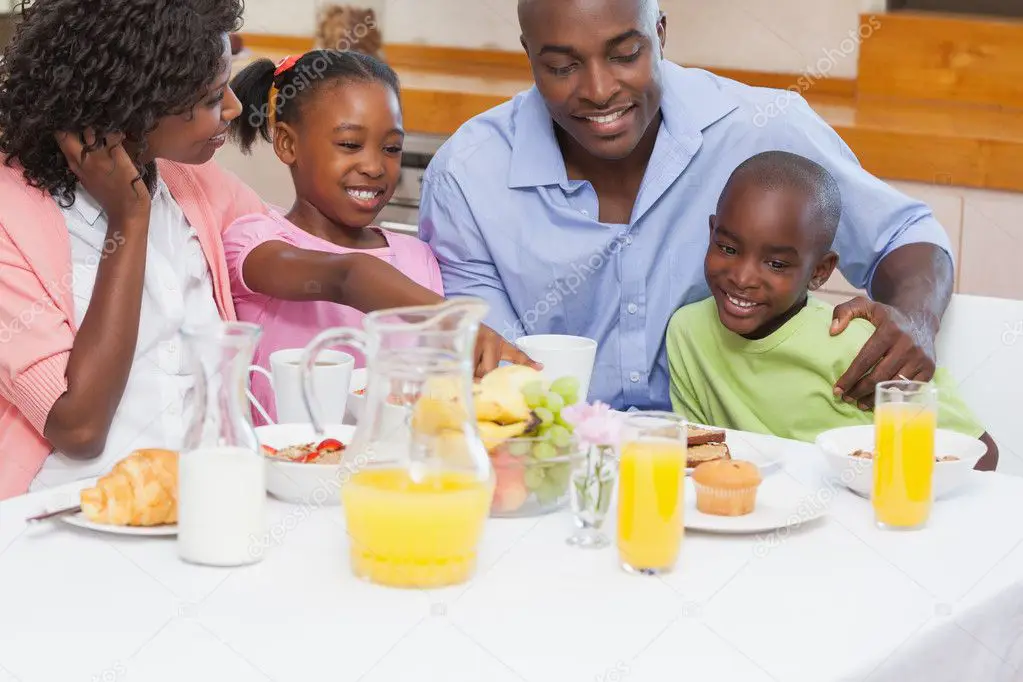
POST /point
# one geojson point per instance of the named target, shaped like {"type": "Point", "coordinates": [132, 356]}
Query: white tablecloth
{"type": "Point", "coordinates": [835, 600]}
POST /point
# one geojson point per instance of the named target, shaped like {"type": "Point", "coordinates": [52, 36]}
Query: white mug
{"type": "Point", "coordinates": [562, 355]}
{"type": "Point", "coordinates": [332, 376]}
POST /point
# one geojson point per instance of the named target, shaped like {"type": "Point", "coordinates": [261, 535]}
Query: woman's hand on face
{"type": "Point", "coordinates": [108, 174]}
{"type": "Point", "coordinates": [492, 349]}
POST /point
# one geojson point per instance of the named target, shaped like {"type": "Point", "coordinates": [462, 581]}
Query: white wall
{"type": "Point", "coordinates": [293, 17]}
{"type": "Point", "coordinates": [787, 36]}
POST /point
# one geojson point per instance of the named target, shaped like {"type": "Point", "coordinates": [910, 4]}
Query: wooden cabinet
{"type": "Point", "coordinates": [997, 8]}
{"type": "Point", "coordinates": [985, 229]}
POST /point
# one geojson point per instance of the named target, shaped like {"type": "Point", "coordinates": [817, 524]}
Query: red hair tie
{"type": "Point", "coordinates": [282, 66]}
{"type": "Point", "coordinates": [286, 64]}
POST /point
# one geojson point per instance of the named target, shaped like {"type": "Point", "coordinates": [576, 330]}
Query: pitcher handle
{"type": "Point", "coordinates": [341, 336]}
{"type": "Point", "coordinates": [252, 398]}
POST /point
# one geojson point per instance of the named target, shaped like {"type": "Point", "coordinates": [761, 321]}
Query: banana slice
{"type": "Point", "coordinates": [501, 406]}
{"type": "Point", "coordinates": [432, 416]}
{"type": "Point", "coordinates": [493, 434]}
{"type": "Point", "coordinates": [510, 377]}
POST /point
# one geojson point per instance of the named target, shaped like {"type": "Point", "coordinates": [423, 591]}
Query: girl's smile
{"type": "Point", "coordinates": [369, 198]}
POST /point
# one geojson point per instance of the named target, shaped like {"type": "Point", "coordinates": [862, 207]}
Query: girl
{"type": "Point", "coordinates": [335, 119]}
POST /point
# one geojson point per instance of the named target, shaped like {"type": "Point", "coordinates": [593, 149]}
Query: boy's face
{"type": "Point", "coordinates": [763, 257]}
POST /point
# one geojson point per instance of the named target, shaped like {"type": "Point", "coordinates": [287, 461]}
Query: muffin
{"type": "Point", "coordinates": [726, 487]}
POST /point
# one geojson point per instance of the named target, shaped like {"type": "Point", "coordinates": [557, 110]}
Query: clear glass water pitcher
{"type": "Point", "coordinates": [221, 472]}
{"type": "Point", "coordinates": [421, 482]}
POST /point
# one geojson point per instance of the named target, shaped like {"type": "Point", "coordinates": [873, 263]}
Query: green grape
{"type": "Point", "coordinates": [559, 475]}
{"type": "Point", "coordinates": [555, 403]}
{"type": "Point", "coordinates": [534, 394]}
{"type": "Point", "coordinates": [567, 388]}
{"type": "Point", "coordinates": [544, 451]}
{"type": "Point", "coordinates": [544, 415]}
{"type": "Point", "coordinates": [560, 436]}
{"type": "Point", "coordinates": [534, 477]}
{"type": "Point", "coordinates": [549, 492]}
{"type": "Point", "coordinates": [565, 384]}
{"type": "Point", "coordinates": [560, 421]}
{"type": "Point", "coordinates": [517, 448]}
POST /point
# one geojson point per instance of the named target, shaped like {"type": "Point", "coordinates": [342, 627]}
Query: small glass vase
{"type": "Point", "coordinates": [593, 481]}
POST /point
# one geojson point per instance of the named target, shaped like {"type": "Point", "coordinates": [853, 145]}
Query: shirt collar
{"type": "Point", "coordinates": [86, 206]}
{"type": "Point", "coordinates": [691, 101]}
{"type": "Point", "coordinates": [536, 157]}
{"type": "Point", "coordinates": [90, 210]}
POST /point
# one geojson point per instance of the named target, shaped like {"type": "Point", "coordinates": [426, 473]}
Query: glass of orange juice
{"type": "Point", "coordinates": [905, 421]}
{"type": "Point", "coordinates": [651, 485]}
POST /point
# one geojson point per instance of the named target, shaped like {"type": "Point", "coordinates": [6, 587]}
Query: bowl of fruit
{"type": "Point", "coordinates": [532, 448]}
{"type": "Point", "coordinates": [532, 475]}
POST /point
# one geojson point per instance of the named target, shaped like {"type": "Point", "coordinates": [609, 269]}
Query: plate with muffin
{"type": "Point", "coordinates": [708, 444]}
{"type": "Point", "coordinates": [733, 496]}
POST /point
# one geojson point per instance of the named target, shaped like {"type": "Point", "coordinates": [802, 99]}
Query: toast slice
{"type": "Point", "coordinates": [701, 436]}
{"type": "Point", "coordinates": [708, 452]}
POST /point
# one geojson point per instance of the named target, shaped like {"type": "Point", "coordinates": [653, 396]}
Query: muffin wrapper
{"type": "Point", "coordinates": [724, 492]}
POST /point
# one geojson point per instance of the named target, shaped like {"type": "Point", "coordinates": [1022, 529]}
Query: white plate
{"type": "Point", "coordinates": [781, 503]}
{"type": "Point", "coordinates": [79, 520]}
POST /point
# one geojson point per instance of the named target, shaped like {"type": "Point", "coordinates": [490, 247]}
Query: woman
{"type": "Point", "coordinates": [110, 219]}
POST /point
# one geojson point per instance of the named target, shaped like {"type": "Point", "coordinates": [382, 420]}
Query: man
{"type": "Point", "coordinates": [581, 206]}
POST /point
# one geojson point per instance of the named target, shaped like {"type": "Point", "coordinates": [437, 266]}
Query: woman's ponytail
{"type": "Point", "coordinates": [252, 87]}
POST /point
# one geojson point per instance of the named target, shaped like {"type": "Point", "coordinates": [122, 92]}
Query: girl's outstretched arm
{"type": "Point", "coordinates": [366, 283]}
{"type": "Point", "coordinates": [357, 280]}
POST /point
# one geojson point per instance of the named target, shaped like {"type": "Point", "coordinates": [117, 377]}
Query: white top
{"type": "Point", "coordinates": [835, 601]}
{"type": "Point", "coordinates": [177, 294]}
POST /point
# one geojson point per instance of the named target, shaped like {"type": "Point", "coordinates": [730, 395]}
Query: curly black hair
{"type": "Point", "coordinates": [116, 66]}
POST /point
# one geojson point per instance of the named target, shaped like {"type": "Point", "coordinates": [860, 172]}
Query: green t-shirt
{"type": "Point", "coordinates": [782, 384]}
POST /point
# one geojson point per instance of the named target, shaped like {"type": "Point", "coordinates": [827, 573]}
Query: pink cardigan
{"type": "Point", "coordinates": [37, 321]}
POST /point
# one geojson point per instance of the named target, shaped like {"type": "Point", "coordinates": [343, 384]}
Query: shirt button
{"type": "Point", "coordinates": [585, 212]}
{"type": "Point", "coordinates": [628, 240]}
{"type": "Point", "coordinates": [633, 308]}
{"type": "Point", "coordinates": [634, 377]}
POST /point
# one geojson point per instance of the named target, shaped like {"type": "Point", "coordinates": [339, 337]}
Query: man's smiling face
{"type": "Point", "coordinates": [596, 63]}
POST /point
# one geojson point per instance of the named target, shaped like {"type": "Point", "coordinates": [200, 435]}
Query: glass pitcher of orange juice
{"type": "Point", "coordinates": [905, 422]}
{"type": "Point", "coordinates": [421, 486]}
{"type": "Point", "coordinates": [651, 488]}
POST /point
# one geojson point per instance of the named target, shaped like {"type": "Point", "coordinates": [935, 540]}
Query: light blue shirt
{"type": "Point", "coordinates": [508, 226]}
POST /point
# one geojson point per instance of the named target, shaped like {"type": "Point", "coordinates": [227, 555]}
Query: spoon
{"type": "Point", "coordinates": [49, 515]}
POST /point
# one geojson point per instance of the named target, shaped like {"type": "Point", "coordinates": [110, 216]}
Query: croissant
{"type": "Point", "coordinates": [141, 490]}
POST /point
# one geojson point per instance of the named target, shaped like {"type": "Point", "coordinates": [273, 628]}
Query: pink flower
{"type": "Point", "coordinates": [594, 424]}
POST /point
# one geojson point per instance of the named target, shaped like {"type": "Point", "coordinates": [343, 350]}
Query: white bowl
{"type": "Point", "coordinates": [857, 473]}
{"type": "Point", "coordinates": [313, 484]}
{"type": "Point", "coordinates": [356, 401]}
{"type": "Point", "coordinates": [393, 415]}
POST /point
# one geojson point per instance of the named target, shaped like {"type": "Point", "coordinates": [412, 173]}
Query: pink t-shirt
{"type": "Point", "coordinates": [293, 324]}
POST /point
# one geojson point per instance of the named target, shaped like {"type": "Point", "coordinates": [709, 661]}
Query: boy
{"type": "Point", "coordinates": [758, 354]}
